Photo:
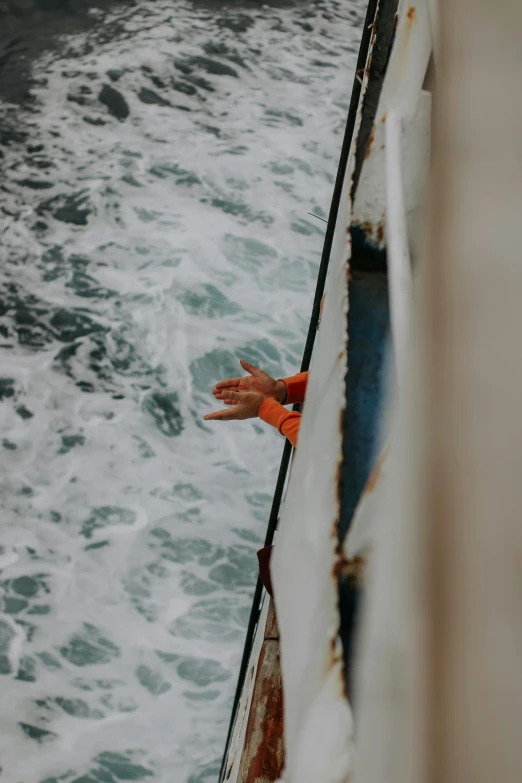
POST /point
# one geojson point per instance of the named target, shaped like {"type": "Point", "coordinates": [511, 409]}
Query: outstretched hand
{"type": "Point", "coordinates": [243, 405]}
{"type": "Point", "coordinates": [257, 381]}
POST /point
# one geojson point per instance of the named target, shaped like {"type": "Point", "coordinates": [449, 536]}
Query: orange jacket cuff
{"type": "Point", "coordinates": [296, 387]}
{"type": "Point", "coordinates": [286, 422]}
{"type": "Point", "coordinates": [273, 413]}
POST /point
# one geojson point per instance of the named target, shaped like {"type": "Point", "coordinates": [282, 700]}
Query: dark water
{"type": "Point", "coordinates": [158, 161]}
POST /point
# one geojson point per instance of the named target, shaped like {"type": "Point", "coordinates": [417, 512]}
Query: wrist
{"type": "Point", "coordinates": [281, 392]}
{"type": "Point", "coordinates": [259, 405]}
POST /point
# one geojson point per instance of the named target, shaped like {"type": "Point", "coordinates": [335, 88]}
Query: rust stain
{"type": "Point", "coordinates": [271, 629]}
{"type": "Point", "coordinates": [373, 232]}
{"type": "Point", "coordinates": [352, 568]}
{"type": "Point", "coordinates": [335, 656]}
{"type": "Point", "coordinates": [367, 227]}
{"type": "Point", "coordinates": [411, 15]}
{"type": "Point", "coordinates": [331, 652]}
{"type": "Point", "coordinates": [383, 118]}
{"type": "Point", "coordinates": [263, 751]}
{"type": "Point", "coordinates": [370, 143]}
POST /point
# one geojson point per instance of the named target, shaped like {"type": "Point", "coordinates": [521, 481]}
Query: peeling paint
{"type": "Point", "coordinates": [263, 751]}
{"type": "Point", "coordinates": [350, 568]}
{"type": "Point", "coordinates": [271, 630]}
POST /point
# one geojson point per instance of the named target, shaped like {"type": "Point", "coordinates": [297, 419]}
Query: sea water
{"type": "Point", "coordinates": [159, 161]}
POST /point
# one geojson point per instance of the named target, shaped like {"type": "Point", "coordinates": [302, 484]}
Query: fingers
{"type": "Point", "coordinates": [241, 405]}
{"type": "Point", "coordinates": [230, 383]}
{"type": "Point", "coordinates": [226, 414]}
{"type": "Point", "coordinates": [234, 398]}
{"type": "Point", "coordinates": [220, 394]}
{"type": "Point", "coordinates": [234, 411]}
{"type": "Point", "coordinates": [250, 368]}
{"type": "Point", "coordinates": [235, 383]}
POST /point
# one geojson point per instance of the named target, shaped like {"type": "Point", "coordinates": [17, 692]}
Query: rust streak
{"type": "Point", "coordinates": [367, 228]}
{"type": "Point", "coordinates": [352, 568]}
{"type": "Point", "coordinates": [271, 629]}
{"type": "Point", "coordinates": [383, 118]}
{"type": "Point", "coordinates": [263, 752]}
{"type": "Point", "coordinates": [370, 143]}
{"type": "Point", "coordinates": [411, 15]}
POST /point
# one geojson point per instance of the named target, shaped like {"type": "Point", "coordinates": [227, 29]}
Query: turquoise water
{"type": "Point", "coordinates": [158, 167]}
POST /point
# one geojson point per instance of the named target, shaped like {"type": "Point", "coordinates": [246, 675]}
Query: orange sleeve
{"type": "Point", "coordinates": [286, 422]}
{"type": "Point", "coordinates": [296, 387]}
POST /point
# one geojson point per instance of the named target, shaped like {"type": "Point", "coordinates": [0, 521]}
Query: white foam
{"type": "Point", "coordinates": [156, 238]}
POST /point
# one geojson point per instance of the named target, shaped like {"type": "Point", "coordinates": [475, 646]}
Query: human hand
{"type": "Point", "coordinates": [244, 405]}
{"type": "Point", "coordinates": [257, 381]}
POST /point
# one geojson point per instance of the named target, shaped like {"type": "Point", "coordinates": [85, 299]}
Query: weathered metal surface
{"type": "Point", "coordinates": [389, 672]}
{"type": "Point", "coordinates": [408, 153]}
{"type": "Point", "coordinates": [368, 323]}
{"type": "Point", "coordinates": [235, 750]}
{"type": "Point", "coordinates": [263, 749]}
{"type": "Point", "coordinates": [370, 509]}
{"type": "Point", "coordinates": [318, 718]}
{"type": "Point", "coordinates": [367, 250]}
{"type": "Point", "coordinates": [304, 586]}
{"type": "Point", "coordinates": [383, 33]}
{"type": "Point", "coordinates": [399, 264]}
{"type": "Point", "coordinates": [400, 94]}
{"type": "Point", "coordinates": [326, 678]}
{"type": "Point", "coordinates": [309, 576]}
{"type": "Point", "coordinates": [342, 242]}
{"type": "Point", "coordinates": [396, 170]}
{"type": "Point", "coordinates": [406, 171]}
{"type": "Point", "coordinates": [271, 627]}
{"type": "Point", "coordinates": [415, 150]}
